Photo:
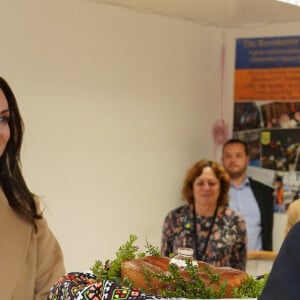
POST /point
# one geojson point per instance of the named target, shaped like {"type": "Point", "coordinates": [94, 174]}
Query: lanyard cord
{"type": "Point", "coordinates": [195, 235]}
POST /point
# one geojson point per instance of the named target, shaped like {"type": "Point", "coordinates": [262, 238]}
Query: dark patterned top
{"type": "Point", "coordinates": [226, 246]}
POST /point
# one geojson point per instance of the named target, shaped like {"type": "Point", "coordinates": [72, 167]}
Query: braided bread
{"type": "Point", "coordinates": [135, 269]}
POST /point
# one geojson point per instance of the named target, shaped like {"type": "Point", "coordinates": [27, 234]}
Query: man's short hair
{"type": "Point", "coordinates": [236, 141]}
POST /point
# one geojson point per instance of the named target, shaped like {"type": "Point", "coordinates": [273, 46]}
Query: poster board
{"type": "Point", "coordinates": [267, 111]}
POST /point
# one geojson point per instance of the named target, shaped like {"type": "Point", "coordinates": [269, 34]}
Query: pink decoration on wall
{"type": "Point", "coordinates": [220, 131]}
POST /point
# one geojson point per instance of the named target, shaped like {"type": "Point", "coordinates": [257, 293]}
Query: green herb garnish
{"type": "Point", "coordinates": [176, 286]}
{"type": "Point", "coordinates": [111, 269]}
{"type": "Point", "coordinates": [251, 287]}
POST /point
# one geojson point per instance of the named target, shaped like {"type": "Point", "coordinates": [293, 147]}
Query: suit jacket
{"type": "Point", "coordinates": [31, 262]}
{"type": "Point", "coordinates": [283, 280]}
{"type": "Point", "coordinates": [265, 200]}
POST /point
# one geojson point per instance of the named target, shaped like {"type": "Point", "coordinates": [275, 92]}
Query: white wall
{"type": "Point", "coordinates": [117, 105]}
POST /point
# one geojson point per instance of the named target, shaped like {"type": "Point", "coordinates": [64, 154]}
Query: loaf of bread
{"type": "Point", "coordinates": [136, 269]}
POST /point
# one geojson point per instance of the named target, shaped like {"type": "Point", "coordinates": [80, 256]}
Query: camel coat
{"type": "Point", "coordinates": [30, 262]}
{"type": "Point", "coordinates": [293, 216]}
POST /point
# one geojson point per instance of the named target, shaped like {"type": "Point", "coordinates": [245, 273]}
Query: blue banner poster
{"type": "Point", "coordinates": [267, 69]}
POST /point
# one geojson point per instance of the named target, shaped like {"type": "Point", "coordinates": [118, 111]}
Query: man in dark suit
{"type": "Point", "coordinates": [283, 281]}
{"type": "Point", "coordinates": [253, 199]}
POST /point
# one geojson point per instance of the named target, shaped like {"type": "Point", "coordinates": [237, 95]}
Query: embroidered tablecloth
{"type": "Point", "coordinates": [83, 286]}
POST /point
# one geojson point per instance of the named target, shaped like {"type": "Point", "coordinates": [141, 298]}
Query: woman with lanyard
{"type": "Point", "coordinates": [206, 223]}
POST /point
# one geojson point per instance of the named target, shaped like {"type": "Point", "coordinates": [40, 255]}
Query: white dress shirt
{"type": "Point", "coordinates": [242, 199]}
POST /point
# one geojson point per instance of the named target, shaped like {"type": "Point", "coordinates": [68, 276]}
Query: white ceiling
{"type": "Point", "coordinates": [224, 13]}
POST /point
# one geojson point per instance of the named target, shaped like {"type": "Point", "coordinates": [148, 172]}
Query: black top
{"type": "Point", "coordinates": [265, 200]}
{"type": "Point", "coordinates": [283, 281]}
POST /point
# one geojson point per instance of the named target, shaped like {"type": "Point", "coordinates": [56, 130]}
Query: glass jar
{"type": "Point", "coordinates": [183, 254]}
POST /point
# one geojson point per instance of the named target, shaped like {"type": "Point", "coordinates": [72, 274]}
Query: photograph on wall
{"type": "Point", "coordinates": [247, 116]}
{"type": "Point", "coordinates": [286, 190]}
{"type": "Point", "coordinates": [280, 149]}
{"type": "Point", "coordinates": [281, 114]}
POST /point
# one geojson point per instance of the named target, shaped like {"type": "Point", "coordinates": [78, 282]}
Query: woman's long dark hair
{"type": "Point", "coordinates": [11, 179]}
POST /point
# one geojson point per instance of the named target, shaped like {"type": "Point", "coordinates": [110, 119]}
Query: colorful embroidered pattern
{"type": "Point", "coordinates": [83, 286]}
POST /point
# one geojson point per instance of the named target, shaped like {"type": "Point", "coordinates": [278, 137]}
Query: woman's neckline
{"type": "Point", "coordinates": [209, 213]}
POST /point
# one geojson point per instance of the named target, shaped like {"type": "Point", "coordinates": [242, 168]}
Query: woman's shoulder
{"type": "Point", "coordinates": [183, 209]}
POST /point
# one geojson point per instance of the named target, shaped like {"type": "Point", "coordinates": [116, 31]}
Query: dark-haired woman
{"type": "Point", "coordinates": [206, 223]}
{"type": "Point", "coordinates": [31, 259]}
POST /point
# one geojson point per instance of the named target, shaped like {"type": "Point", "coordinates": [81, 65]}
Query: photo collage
{"type": "Point", "coordinates": [271, 130]}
